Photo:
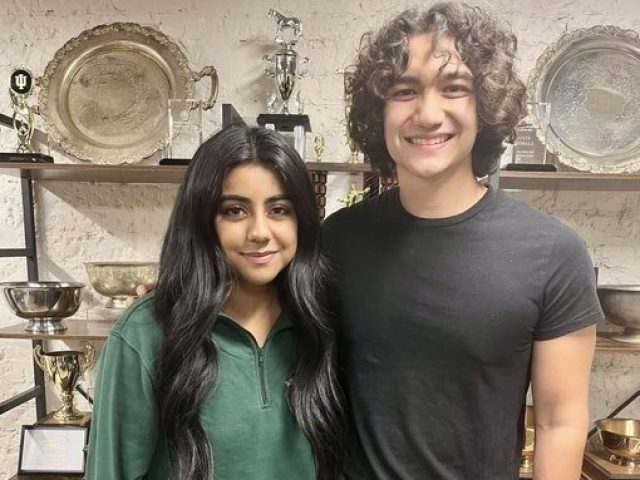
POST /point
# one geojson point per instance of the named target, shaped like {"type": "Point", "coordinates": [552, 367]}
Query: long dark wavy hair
{"type": "Point", "coordinates": [484, 45]}
{"type": "Point", "coordinates": [195, 281]}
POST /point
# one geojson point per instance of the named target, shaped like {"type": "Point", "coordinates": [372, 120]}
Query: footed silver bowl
{"type": "Point", "coordinates": [621, 305]}
{"type": "Point", "coordinates": [118, 280]}
{"type": "Point", "coordinates": [43, 304]}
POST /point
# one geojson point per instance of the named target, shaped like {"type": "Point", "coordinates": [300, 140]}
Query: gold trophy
{"type": "Point", "coordinates": [64, 369]}
{"type": "Point", "coordinates": [526, 461]}
{"type": "Point", "coordinates": [354, 196]}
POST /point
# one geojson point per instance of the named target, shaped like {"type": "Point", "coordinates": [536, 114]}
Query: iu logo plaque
{"type": "Point", "coordinates": [21, 82]}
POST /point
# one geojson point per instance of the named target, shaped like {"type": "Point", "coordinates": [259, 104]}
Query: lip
{"type": "Point", "coordinates": [259, 258]}
{"type": "Point", "coordinates": [442, 140]}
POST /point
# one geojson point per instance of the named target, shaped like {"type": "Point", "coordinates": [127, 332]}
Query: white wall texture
{"type": "Point", "coordinates": [86, 222]}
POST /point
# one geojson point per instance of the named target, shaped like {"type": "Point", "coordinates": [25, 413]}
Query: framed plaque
{"type": "Point", "coordinates": [52, 449]}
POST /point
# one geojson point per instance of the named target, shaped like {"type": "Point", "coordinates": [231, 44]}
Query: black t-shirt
{"type": "Point", "coordinates": [436, 320]}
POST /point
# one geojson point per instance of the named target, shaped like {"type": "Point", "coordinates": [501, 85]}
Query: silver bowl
{"type": "Point", "coordinates": [621, 305]}
{"type": "Point", "coordinates": [118, 280]}
{"type": "Point", "coordinates": [43, 304]}
{"type": "Point", "coordinates": [621, 438]}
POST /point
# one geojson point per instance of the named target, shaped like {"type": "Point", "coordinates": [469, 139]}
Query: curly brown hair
{"type": "Point", "coordinates": [485, 46]}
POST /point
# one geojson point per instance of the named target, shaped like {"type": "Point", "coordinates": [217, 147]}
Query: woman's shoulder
{"type": "Point", "coordinates": [139, 327]}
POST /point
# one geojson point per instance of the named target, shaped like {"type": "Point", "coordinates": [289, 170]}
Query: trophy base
{"type": "Point", "coordinates": [117, 303]}
{"type": "Point", "coordinates": [531, 167]}
{"type": "Point", "coordinates": [298, 124]}
{"type": "Point", "coordinates": [84, 418]}
{"type": "Point", "coordinates": [174, 161]}
{"type": "Point", "coordinates": [45, 325]}
{"type": "Point", "coordinates": [13, 157]}
{"type": "Point", "coordinates": [284, 122]}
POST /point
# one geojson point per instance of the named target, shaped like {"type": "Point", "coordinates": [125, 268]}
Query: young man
{"type": "Point", "coordinates": [450, 297]}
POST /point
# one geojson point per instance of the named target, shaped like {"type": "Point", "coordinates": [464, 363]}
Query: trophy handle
{"type": "Point", "coordinates": [37, 84]}
{"type": "Point", "coordinates": [208, 71]}
{"type": "Point", "coordinates": [86, 359]}
{"type": "Point", "coordinates": [303, 67]}
{"type": "Point", "coordinates": [269, 66]}
{"type": "Point", "coordinates": [39, 358]}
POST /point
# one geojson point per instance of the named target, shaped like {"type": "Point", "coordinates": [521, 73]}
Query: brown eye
{"type": "Point", "coordinates": [280, 211]}
{"type": "Point", "coordinates": [402, 93]}
{"type": "Point", "coordinates": [457, 90]}
{"type": "Point", "coordinates": [233, 211]}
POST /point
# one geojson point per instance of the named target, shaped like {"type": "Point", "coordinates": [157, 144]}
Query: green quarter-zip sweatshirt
{"type": "Point", "coordinates": [246, 416]}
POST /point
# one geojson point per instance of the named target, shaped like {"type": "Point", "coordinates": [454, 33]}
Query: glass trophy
{"type": "Point", "coordinates": [184, 130]}
{"type": "Point", "coordinates": [529, 151]}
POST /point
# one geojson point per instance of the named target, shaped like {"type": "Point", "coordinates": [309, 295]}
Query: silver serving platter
{"type": "Point", "coordinates": [591, 78]}
{"type": "Point", "coordinates": [104, 96]}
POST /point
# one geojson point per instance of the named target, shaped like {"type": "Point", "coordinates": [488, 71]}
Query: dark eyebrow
{"type": "Point", "coordinates": [240, 198]}
{"type": "Point", "coordinates": [456, 75]}
{"type": "Point", "coordinates": [407, 79]}
{"type": "Point", "coordinates": [442, 76]}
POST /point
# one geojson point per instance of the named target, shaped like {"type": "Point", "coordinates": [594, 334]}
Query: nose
{"type": "Point", "coordinates": [259, 231]}
{"type": "Point", "coordinates": [429, 111]}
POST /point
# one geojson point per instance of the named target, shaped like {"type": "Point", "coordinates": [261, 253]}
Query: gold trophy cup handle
{"type": "Point", "coordinates": [86, 359]}
{"type": "Point", "coordinates": [39, 358]}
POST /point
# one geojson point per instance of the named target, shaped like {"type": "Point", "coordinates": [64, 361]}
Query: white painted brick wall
{"type": "Point", "coordinates": [83, 222]}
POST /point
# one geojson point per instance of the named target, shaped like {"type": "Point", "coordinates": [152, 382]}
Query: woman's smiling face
{"type": "Point", "coordinates": [256, 224]}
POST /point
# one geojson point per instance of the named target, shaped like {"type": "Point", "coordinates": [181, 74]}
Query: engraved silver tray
{"type": "Point", "coordinates": [104, 96]}
{"type": "Point", "coordinates": [591, 78]}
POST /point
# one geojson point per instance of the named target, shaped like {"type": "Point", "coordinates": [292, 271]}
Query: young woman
{"type": "Point", "coordinates": [226, 371]}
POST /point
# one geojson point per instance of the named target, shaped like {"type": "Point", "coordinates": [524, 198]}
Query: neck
{"type": "Point", "coordinates": [256, 309]}
{"type": "Point", "coordinates": [439, 197]}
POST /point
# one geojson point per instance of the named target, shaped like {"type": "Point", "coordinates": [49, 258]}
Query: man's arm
{"type": "Point", "coordinates": [560, 383]}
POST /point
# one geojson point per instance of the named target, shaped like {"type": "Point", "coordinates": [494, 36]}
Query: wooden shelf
{"type": "Point", "coordinates": [134, 173]}
{"type": "Point", "coordinates": [512, 180]}
{"type": "Point", "coordinates": [509, 180]}
{"type": "Point", "coordinates": [338, 167]}
{"type": "Point", "coordinates": [96, 173]}
{"type": "Point", "coordinates": [98, 330]}
{"type": "Point", "coordinates": [78, 330]}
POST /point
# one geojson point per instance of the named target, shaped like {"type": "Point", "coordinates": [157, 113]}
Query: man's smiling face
{"type": "Point", "coordinates": [430, 122]}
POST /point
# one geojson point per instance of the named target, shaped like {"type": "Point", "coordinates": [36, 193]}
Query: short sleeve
{"type": "Point", "coordinates": [569, 297]}
{"type": "Point", "coordinates": [124, 425]}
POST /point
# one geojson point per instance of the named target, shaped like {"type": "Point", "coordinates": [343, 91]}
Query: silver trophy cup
{"type": "Point", "coordinates": [284, 66]}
